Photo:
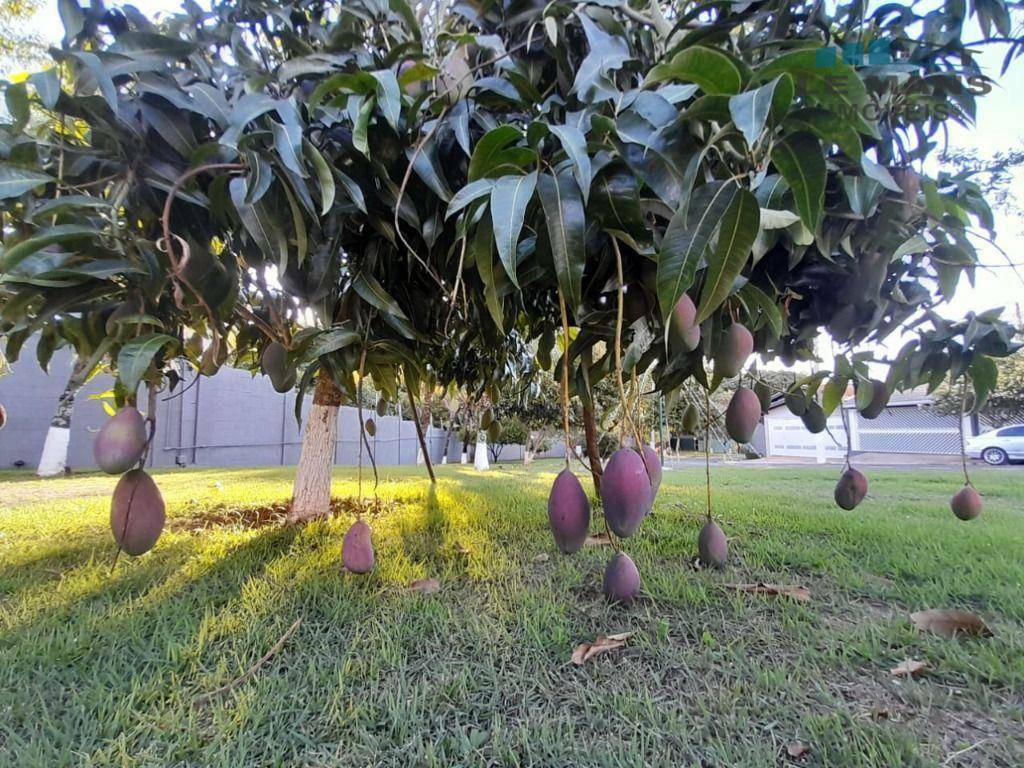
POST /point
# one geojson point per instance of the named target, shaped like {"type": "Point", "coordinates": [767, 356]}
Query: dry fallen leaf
{"type": "Point", "coordinates": [797, 749]}
{"type": "Point", "coordinates": [543, 557]}
{"type": "Point", "coordinates": [796, 592]}
{"type": "Point", "coordinates": [908, 668]}
{"type": "Point", "coordinates": [597, 540]}
{"type": "Point", "coordinates": [603, 644]}
{"type": "Point", "coordinates": [949, 622]}
{"type": "Point", "coordinates": [424, 586]}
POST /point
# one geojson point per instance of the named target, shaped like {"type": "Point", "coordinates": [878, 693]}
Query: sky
{"type": "Point", "coordinates": [1000, 126]}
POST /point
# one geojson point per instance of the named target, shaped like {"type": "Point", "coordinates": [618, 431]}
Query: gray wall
{"type": "Point", "coordinates": [228, 420]}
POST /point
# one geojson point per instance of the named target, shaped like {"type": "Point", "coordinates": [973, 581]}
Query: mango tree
{"type": "Point", "coordinates": [635, 190]}
{"type": "Point", "coordinates": [661, 190]}
{"type": "Point", "coordinates": [196, 188]}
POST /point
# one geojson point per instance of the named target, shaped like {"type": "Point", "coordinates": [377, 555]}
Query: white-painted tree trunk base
{"type": "Point", "coordinates": [54, 460]}
{"type": "Point", "coordinates": [444, 459]}
{"type": "Point", "coordinates": [464, 459]}
{"type": "Point", "coordinates": [480, 462]}
{"type": "Point", "coordinates": [311, 497]}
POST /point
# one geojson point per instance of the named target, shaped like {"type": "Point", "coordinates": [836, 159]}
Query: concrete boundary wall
{"type": "Point", "coordinates": [231, 419]}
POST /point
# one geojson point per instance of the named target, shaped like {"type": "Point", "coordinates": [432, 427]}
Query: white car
{"type": "Point", "coordinates": [997, 446]}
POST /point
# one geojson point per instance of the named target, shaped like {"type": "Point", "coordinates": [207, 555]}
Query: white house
{"type": "Point", "coordinates": [907, 425]}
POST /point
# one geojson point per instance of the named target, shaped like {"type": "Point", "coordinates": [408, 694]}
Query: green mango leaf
{"type": "Point", "coordinates": [426, 166]}
{"type": "Point", "coordinates": [595, 79]}
{"type": "Point", "coordinates": [800, 161]}
{"type": "Point", "coordinates": [824, 81]}
{"type": "Point", "coordinates": [509, 198]}
{"type": "Point", "coordinates": [332, 340]}
{"type": "Point", "coordinates": [862, 194]}
{"type": "Point", "coordinates": [373, 293]}
{"type": "Point", "coordinates": [259, 221]}
{"type": "Point", "coordinates": [72, 17]}
{"type": "Point", "coordinates": [832, 395]}
{"type": "Point", "coordinates": [709, 108]}
{"type": "Point", "coordinates": [288, 144]}
{"type": "Point", "coordinates": [389, 96]}
{"type": "Point", "coordinates": [360, 131]}
{"type": "Point", "coordinates": [208, 102]}
{"type": "Point", "coordinates": [47, 86]}
{"type": "Point", "coordinates": [488, 149]}
{"type": "Point", "coordinates": [687, 237]}
{"type": "Point", "coordinates": [750, 110]}
{"type": "Point", "coordinates": [136, 356]}
{"type": "Point", "coordinates": [865, 392]}
{"type": "Point", "coordinates": [880, 174]}
{"type": "Point", "coordinates": [566, 225]}
{"type": "Point", "coordinates": [352, 189]}
{"type": "Point", "coordinates": [984, 376]}
{"type": "Point", "coordinates": [616, 202]}
{"type": "Point", "coordinates": [314, 64]}
{"type": "Point", "coordinates": [323, 176]}
{"type": "Point", "coordinates": [575, 145]}
{"type": "Point", "coordinates": [416, 73]}
{"type": "Point", "coordinates": [829, 127]}
{"type": "Point", "coordinates": [736, 235]}
{"type": "Point", "coordinates": [776, 219]}
{"type": "Point", "coordinates": [761, 308]}
{"type": "Point", "coordinates": [18, 108]}
{"type": "Point", "coordinates": [60, 233]}
{"type": "Point", "coordinates": [172, 127]}
{"type": "Point", "coordinates": [467, 194]}
{"type": "Point", "coordinates": [15, 181]}
{"type": "Point", "coordinates": [57, 205]}
{"type": "Point", "coordinates": [712, 70]}
{"type": "Point", "coordinates": [913, 244]}
{"type": "Point", "coordinates": [483, 256]}
{"type": "Point", "coordinates": [91, 62]}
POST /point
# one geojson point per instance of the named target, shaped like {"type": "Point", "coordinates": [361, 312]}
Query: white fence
{"type": "Point", "coordinates": [908, 428]}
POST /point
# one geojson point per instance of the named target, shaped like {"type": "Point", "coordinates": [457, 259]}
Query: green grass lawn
{"type": "Point", "coordinates": [103, 667]}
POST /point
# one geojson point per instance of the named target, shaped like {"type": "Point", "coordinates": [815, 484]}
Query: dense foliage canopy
{"type": "Point", "coordinates": [423, 193]}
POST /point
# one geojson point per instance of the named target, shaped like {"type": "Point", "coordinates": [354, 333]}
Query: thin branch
{"type": "Point", "coordinates": [960, 426]}
{"type": "Point", "coordinates": [401, 195]}
{"type": "Point", "coordinates": [419, 431]}
{"type": "Point", "coordinates": [618, 346]}
{"type": "Point", "coordinates": [565, 379]}
{"type": "Point", "coordinates": [707, 446]}
{"type": "Point", "coordinates": [206, 698]}
{"type": "Point", "coordinates": [167, 242]}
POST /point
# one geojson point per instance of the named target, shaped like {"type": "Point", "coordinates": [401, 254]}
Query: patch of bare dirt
{"type": "Point", "coordinates": [275, 514]}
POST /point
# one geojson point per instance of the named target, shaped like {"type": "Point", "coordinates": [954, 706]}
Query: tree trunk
{"type": "Point", "coordinates": [447, 444]}
{"type": "Point", "coordinates": [54, 459]}
{"type": "Point", "coordinates": [480, 463]}
{"type": "Point", "coordinates": [593, 452]}
{"type": "Point", "coordinates": [311, 494]}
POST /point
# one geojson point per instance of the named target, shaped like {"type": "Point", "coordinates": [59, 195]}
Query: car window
{"type": "Point", "coordinates": [1012, 432]}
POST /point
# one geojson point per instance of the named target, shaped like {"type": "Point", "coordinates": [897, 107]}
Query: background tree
{"type": "Point", "coordinates": [19, 49]}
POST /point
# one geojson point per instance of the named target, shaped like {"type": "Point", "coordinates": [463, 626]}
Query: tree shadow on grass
{"type": "Point", "coordinates": [423, 535]}
{"type": "Point", "coordinates": [137, 628]}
